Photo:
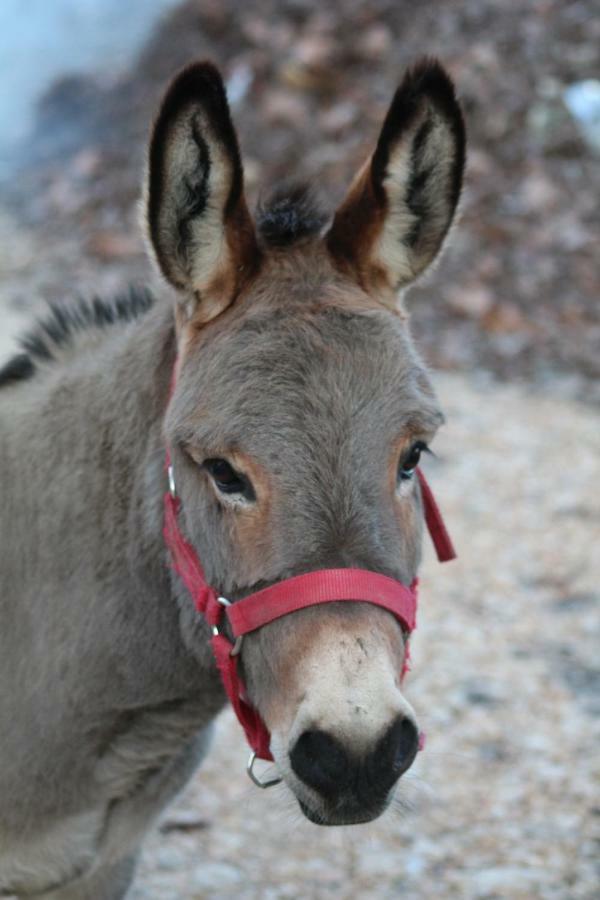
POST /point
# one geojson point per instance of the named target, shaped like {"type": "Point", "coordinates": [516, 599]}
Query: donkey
{"type": "Point", "coordinates": [295, 421]}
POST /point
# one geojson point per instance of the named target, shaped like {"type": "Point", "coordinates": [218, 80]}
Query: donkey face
{"type": "Point", "coordinates": [300, 411]}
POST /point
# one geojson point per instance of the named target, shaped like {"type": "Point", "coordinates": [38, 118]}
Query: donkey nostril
{"type": "Point", "coordinates": [394, 754]}
{"type": "Point", "coordinates": [320, 761]}
{"type": "Point", "coordinates": [405, 735]}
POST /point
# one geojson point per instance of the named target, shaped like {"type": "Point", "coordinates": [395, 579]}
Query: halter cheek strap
{"type": "Point", "coordinates": [284, 597]}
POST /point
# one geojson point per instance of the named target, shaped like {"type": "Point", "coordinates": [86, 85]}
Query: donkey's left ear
{"type": "Point", "coordinates": [398, 211]}
{"type": "Point", "coordinates": [198, 222]}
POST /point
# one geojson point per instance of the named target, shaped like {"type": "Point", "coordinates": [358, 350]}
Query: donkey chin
{"type": "Point", "coordinates": [353, 733]}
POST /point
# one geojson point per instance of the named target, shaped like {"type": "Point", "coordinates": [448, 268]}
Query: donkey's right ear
{"type": "Point", "coordinates": [198, 222]}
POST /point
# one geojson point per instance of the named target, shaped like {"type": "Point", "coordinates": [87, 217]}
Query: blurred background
{"type": "Point", "coordinates": [504, 802]}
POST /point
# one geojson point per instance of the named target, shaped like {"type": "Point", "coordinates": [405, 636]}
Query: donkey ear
{"type": "Point", "coordinates": [198, 222]}
{"type": "Point", "coordinates": [401, 204]}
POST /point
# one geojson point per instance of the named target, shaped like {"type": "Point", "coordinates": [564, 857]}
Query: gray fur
{"type": "Point", "coordinates": [107, 682]}
{"type": "Point", "coordinates": [101, 702]}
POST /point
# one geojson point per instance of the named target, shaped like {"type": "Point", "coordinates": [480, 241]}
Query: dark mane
{"type": "Point", "coordinates": [291, 212]}
{"type": "Point", "coordinates": [59, 327]}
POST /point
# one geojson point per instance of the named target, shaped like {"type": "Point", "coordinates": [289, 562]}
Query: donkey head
{"type": "Point", "coordinates": [300, 411]}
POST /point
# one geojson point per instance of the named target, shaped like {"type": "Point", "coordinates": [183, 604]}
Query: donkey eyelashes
{"type": "Point", "coordinates": [409, 462]}
{"type": "Point", "coordinates": [229, 481]}
{"type": "Point", "coordinates": [232, 483]}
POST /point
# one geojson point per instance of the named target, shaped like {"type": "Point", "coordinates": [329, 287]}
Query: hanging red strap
{"type": "Point", "coordinates": [435, 523]}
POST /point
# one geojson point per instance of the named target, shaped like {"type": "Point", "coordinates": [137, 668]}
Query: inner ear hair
{"type": "Point", "coordinates": [198, 222]}
{"type": "Point", "coordinates": [399, 209]}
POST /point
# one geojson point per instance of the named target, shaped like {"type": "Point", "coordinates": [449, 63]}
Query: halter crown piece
{"type": "Point", "coordinates": [282, 598]}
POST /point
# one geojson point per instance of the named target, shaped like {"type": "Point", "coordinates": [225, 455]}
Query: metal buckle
{"type": "Point", "coordinates": [269, 782]}
{"type": "Point", "coordinates": [171, 477]}
{"type": "Point", "coordinates": [215, 629]}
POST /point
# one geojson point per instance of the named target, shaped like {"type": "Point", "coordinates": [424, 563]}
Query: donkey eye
{"type": "Point", "coordinates": [227, 479]}
{"type": "Point", "coordinates": [410, 461]}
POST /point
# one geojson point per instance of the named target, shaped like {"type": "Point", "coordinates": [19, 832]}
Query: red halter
{"type": "Point", "coordinates": [256, 610]}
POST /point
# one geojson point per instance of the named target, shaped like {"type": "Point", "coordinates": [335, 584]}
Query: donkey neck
{"type": "Point", "coordinates": [93, 420]}
{"type": "Point", "coordinates": [88, 606]}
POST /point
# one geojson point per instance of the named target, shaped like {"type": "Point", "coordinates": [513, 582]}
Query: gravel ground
{"type": "Point", "coordinates": [503, 802]}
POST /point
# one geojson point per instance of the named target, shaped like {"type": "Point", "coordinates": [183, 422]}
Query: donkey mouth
{"type": "Point", "coordinates": [343, 815]}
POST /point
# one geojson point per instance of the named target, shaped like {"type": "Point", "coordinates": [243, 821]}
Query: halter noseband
{"type": "Point", "coordinates": [282, 598]}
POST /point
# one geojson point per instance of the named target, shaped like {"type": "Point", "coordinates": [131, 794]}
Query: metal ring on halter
{"type": "Point", "coordinates": [171, 477]}
{"type": "Point", "coordinates": [237, 646]}
{"type": "Point", "coordinates": [269, 782]}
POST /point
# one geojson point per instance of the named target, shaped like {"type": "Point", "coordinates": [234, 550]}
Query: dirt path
{"type": "Point", "coordinates": [505, 681]}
